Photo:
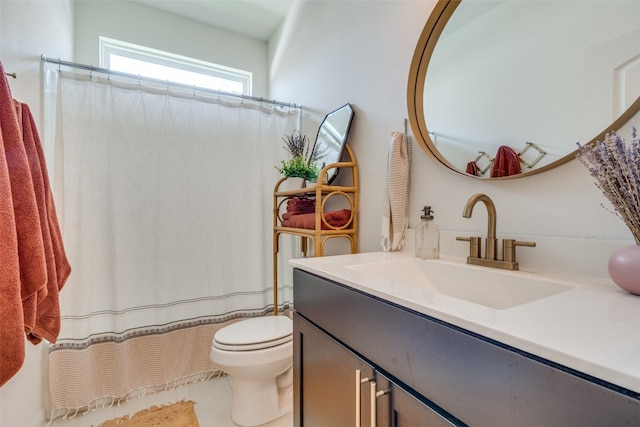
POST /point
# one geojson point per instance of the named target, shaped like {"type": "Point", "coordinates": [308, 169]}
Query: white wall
{"type": "Point", "coordinates": [28, 29]}
{"type": "Point", "coordinates": [331, 52]}
{"type": "Point", "coordinates": [142, 25]}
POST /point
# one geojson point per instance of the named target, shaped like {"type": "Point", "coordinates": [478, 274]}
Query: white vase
{"type": "Point", "coordinates": [293, 183]}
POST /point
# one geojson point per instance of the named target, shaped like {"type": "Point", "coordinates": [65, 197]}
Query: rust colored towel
{"type": "Point", "coordinates": [335, 219]}
{"type": "Point", "coordinates": [506, 162]}
{"type": "Point", "coordinates": [472, 169]}
{"type": "Point", "coordinates": [33, 273]}
{"type": "Point", "coordinates": [304, 210]}
{"type": "Point", "coordinates": [11, 316]}
{"type": "Point", "coordinates": [300, 202]}
{"type": "Point", "coordinates": [29, 301]}
{"type": "Point", "coordinates": [47, 310]}
{"type": "Point", "coordinates": [301, 205]}
{"type": "Point", "coordinates": [11, 331]}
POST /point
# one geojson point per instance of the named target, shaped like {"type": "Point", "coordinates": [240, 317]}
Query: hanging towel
{"type": "Point", "coordinates": [33, 265]}
{"type": "Point", "coordinates": [46, 321]}
{"type": "Point", "coordinates": [11, 316]}
{"type": "Point", "coordinates": [395, 215]}
{"type": "Point", "coordinates": [33, 273]}
{"type": "Point", "coordinates": [11, 331]}
{"type": "Point", "coordinates": [472, 168]}
{"type": "Point", "coordinates": [506, 162]}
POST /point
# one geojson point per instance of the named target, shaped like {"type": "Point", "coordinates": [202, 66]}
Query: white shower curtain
{"type": "Point", "coordinates": [166, 208]}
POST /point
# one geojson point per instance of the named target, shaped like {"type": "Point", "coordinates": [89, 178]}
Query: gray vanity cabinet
{"type": "Point", "coordinates": [325, 376]}
{"type": "Point", "coordinates": [428, 372]}
{"type": "Point", "coordinates": [334, 386]}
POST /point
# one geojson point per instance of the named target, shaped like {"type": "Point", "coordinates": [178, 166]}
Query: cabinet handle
{"type": "Point", "coordinates": [373, 396]}
{"type": "Point", "coordinates": [359, 382]}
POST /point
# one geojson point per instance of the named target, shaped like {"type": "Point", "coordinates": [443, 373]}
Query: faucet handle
{"type": "Point", "coordinates": [509, 248]}
{"type": "Point", "coordinates": [474, 245]}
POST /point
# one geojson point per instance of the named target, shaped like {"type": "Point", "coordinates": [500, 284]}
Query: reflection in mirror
{"type": "Point", "coordinates": [331, 139]}
{"type": "Point", "coordinates": [534, 77]}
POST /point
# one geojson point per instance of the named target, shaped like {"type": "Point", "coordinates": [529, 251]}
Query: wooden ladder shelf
{"type": "Point", "coordinates": [322, 231]}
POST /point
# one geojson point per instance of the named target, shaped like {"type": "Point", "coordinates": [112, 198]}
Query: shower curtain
{"type": "Point", "coordinates": [166, 208]}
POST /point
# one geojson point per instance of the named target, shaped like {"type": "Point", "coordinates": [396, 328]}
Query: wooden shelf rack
{"type": "Point", "coordinates": [322, 230]}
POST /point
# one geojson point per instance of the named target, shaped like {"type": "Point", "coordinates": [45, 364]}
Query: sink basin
{"type": "Point", "coordinates": [499, 289]}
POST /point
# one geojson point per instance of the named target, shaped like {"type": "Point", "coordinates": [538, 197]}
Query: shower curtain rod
{"type": "Point", "coordinates": [107, 71]}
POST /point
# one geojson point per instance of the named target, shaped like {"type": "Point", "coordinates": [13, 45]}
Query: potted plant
{"type": "Point", "coordinates": [298, 166]}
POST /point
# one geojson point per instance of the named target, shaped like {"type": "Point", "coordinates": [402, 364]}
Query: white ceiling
{"type": "Point", "coordinates": [258, 19]}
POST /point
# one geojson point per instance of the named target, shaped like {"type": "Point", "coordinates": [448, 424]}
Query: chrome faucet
{"type": "Point", "coordinates": [490, 258]}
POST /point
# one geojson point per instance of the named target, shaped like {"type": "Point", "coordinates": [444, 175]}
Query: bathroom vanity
{"type": "Point", "coordinates": [377, 349]}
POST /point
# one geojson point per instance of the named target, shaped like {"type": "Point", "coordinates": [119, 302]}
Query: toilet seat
{"type": "Point", "coordinates": [254, 334]}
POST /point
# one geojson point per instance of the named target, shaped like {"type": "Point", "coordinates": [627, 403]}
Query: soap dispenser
{"type": "Point", "coordinates": [427, 236]}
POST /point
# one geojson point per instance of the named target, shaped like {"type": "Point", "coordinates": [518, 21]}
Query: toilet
{"type": "Point", "coordinates": [258, 355]}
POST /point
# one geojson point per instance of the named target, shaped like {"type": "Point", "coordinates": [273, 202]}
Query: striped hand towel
{"type": "Point", "coordinates": [395, 216]}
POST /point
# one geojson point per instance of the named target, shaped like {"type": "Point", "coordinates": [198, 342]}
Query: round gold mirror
{"type": "Point", "coordinates": [534, 77]}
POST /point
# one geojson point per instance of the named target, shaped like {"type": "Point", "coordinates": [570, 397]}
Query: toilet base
{"type": "Point", "coordinates": [257, 402]}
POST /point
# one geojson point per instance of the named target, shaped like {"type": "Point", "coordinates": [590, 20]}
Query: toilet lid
{"type": "Point", "coordinates": [254, 334]}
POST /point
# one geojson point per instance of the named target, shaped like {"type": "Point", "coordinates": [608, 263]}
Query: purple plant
{"type": "Point", "coordinates": [297, 144]}
{"type": "Point", "coordinates": [615, 164]}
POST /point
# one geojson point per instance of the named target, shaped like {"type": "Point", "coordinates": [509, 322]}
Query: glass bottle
{"type": "Point", "coordinates": [427, 236]}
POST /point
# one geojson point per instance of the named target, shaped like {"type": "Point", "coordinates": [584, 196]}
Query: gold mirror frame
{"type": "Point", "coordinates": [415, 95]}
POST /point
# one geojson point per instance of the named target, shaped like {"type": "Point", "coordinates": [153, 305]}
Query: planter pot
{"type": "Point", "coordinates": [293, 183]}
{"type": "Point", "coordinates": [624, 268]}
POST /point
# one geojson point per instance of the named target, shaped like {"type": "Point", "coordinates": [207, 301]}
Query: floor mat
{"type": "Point", "coordinates": [180, 414]}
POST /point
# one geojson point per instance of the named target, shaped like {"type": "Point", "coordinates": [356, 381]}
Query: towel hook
{"type": "Point", "coordinates": [541, 154]}
{"type": "Point", "coordinates": [483, 154]}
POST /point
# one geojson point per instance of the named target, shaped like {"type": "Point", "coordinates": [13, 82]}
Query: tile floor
{"type": "Point", "coordinates": [212, 404]}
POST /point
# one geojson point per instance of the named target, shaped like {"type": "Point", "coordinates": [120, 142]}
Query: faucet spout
{"type": "Point", "coordinates": [492, 243]}
{"type": "Point", "coordinates": [508, 261]}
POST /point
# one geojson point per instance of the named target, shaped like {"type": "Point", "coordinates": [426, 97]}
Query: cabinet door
{"type": "Point", "coordinates": [396, 407]}
{"type": "Point", "coordinates": [330, 382]}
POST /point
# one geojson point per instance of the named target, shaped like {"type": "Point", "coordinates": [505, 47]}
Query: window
{"type": "Point", "coordinates": [139, 60]}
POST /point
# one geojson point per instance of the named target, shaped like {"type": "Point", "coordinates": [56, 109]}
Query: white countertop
{"type": "Point", "coordinates": [593, 328]}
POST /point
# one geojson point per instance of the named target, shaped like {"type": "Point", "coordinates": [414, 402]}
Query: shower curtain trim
{"type": "Point", "coordinates": [140, 392]}
{"type": "Point", "coordinates": [147, 330]}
